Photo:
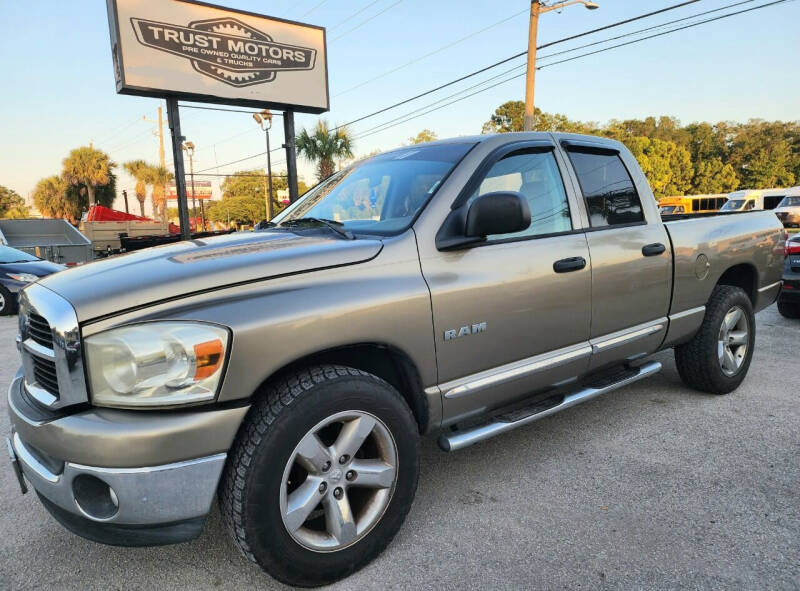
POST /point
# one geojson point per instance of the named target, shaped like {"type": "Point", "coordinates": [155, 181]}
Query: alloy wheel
{"type": "Point", "coordinates": [734, 338]}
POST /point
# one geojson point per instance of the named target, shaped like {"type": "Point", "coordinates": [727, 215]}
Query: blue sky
{"type": "Point", "coordinates": [58, 88]}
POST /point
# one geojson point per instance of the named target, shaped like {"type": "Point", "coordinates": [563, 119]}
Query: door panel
{"type": "Point", "coordinates": [528, 310]}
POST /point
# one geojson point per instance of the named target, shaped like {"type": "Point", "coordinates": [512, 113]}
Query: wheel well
{"type": "Point", "coordinates": [744, 276]}
{"type": "Point", "coordinates": [386, 362]}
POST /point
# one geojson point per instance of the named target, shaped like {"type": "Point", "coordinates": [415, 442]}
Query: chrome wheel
{"type": "Point", "coordinates": [734, 337]}
{"type": "Point", "coordinates": [338, 481]}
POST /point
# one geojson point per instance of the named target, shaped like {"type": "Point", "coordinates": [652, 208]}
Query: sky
{"type": "Point", "coordinates": [58, 87]}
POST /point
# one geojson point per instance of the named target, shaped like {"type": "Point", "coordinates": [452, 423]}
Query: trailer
{"type": "Point", "coordinates": [55, 240]}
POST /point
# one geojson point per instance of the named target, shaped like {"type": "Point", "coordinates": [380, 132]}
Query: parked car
{"type": "Point", "coordinates": [18, 269]}
{"type": "Point", "coordinates": [788, 210]}
{"type": "Point", "coordinates": [789, 299]}
{"type": "Point", "coordinates": [470, 287]}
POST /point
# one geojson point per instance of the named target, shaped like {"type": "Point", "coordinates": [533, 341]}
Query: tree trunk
{"type": "Point", "coordinates": [326, 168]}
{"type": "Point", "coordinates": [90, 193]}
{"type": "Point", "coordinates": [141, 207]}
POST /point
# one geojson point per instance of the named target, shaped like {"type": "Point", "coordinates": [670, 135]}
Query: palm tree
{"type": "Point", "coordinates": [88, 167]}
{"type": "Point", "coordinates": [138, 170]}
{"type": "Point", "coordinates": [158, 176]}
{"type": "Point", "coordinates": [50, 198]}
{"type": "Point", "coordinates": [324, 146]}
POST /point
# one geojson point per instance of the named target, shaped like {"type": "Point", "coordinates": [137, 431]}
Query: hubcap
{"type": "Point", "coordinates": [734, 336]}
{"type": "Point", "coordinates": [328, 504]}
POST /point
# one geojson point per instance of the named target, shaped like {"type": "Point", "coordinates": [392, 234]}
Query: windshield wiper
{"type": "Point", "coordinates": [337, 227]}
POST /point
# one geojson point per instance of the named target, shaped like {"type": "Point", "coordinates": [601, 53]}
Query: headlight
{"type": "Point", "coordinates": [23, 277]}
{"type": "Point", "coordinates": [156, 364]}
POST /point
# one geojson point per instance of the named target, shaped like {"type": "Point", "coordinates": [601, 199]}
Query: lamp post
{"type": "Point", "coordinates": [264, 120]}
{"type": "Point", "coordinates": [538, 7]}
{"type": "Point", "coordinates": [189, 148]}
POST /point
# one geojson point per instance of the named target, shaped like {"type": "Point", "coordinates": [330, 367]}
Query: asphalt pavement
{"type": "Point", "coordinates": [653, 486]}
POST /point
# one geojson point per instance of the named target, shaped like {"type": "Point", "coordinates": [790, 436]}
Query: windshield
{"type": "Point", "coordinates": [12, 255]}
{"type": "Point", "coordinates": [381, 195]}
{"type": "Point", "coordinates": [790, 202]}
{"type": "Point", "coordinates": [733, 205]}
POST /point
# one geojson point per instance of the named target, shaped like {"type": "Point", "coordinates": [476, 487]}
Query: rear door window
{"type": "Point", "coordinates": [607, 187]}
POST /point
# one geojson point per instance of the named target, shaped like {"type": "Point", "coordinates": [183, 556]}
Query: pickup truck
{"type": "Point", "coordinates": [464, 287]}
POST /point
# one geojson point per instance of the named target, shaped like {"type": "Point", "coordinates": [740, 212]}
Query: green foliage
{"type": "Point", "coordinates": [324, 147]}
{"type": "Point", "coordinates": [11, 204]}
{"type": "Point", "coordinates": [243, 198]}
{"type": "Point", "coordinates": [50, 198]}
{"type": "Point", "coordinates": [89, 168]}
{"type": "Point", "coordinates": [138, 169]}
{"type": "Point", "coordinates": [426, 135]}
{"type": "Point", "coordinates": [692, 159]}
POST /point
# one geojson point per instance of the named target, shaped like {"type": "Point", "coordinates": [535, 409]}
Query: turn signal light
{"type": "Point", "coordinates": [209, 358]}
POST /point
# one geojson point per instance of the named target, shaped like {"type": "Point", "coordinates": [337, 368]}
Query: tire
{"type": "Point", "coordinates": [789, 310]}
{"type": "Point", "coordinates": [6, 302]}
{"type": "Point", "coordinates": [699, 363]}
{"type": "Point", "coordinates": [267, 463]}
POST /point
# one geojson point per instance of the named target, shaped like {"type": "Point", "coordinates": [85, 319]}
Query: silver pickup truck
{"type": "Point", "coordinates": [463, 287]}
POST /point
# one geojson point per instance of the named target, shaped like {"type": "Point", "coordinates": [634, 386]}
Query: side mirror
{"type": "Point", "coordinates": [501, 212]}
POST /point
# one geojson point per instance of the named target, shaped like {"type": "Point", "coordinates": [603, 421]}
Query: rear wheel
{"type": "Point", "coordinates": [718, 357]}
{"type": "Point", "coordinates": [322, 475]}
{"type": "Point", "coordinates": [789, 310]}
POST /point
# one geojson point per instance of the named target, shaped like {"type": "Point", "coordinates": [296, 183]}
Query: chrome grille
{"type": "Point", "coordinates": [49, 343]}
{"type": "Point", "coordinates": [39, 330]}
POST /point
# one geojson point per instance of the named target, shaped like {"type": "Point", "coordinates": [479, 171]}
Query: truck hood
{"type": "Point", "coordinates": [164, 272]}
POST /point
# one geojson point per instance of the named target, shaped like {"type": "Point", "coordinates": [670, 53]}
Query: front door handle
{"type": "Point", "coordinates": [652, 250]}
{"type": "Point", "coordinates": [570, 264]}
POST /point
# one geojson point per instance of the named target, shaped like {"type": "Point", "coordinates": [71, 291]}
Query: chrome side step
{"type": "Point", "coordinates": [456, 440]}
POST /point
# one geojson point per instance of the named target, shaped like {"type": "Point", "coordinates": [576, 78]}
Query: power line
{"type": "Point", "coordinates": [508, 59]}
{"type": "Point", "coordinates": [434, 52]}
{"type": "Point", "coordinates": [405, 118]}
{"type": "Point", "coordinates": [353, 15]}
{"type": "Point", "coordinates": [374, 16]}
{"type": "Point", "coordinates": [689, 26]}
{"type": "Point", "coordinates": [313, 8]}
{"type": "Point", "coordinates": [185, 106]}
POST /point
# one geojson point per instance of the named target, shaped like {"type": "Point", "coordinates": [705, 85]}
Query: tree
{"type": "Point", "coordinates": [510, 117]}
{"type": "Point", "coordinates": [158, 176]}
{"type": "Point", "coordinates": [138, 170]}
{"type": "Point", "coordinates": [426, 135]}
{"type": "Point", "coordinates": [712, 176]}
{"type": "Point", "coordinates": [88, 167]}
{"type": "Point", "coordinates": [667, 166]}
{"type": "Point", "coordinates": [9, 200]}
{"type": "Point", "coordinates": [50, 198]}
{"type": "Point", "coordinates": [324, 146]}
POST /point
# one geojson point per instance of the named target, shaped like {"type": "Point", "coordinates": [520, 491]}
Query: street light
{"type": "Point", "coordinates": [189, 148]}
{"type": "Point", "coordinates": [538, 7]}
{"type": "Point", "coordinates": [264, 120]}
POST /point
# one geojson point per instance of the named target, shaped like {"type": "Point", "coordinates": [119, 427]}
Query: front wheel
{"type": "Point", "coordinates": [717, 358]}
{"type": "Point", "coordinates": [6, 302]}
{"type": "Point", "coordinates": [322, 475]}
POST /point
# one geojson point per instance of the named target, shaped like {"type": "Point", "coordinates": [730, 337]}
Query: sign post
{"type": "Point", "coordinates": [194, 51]}
{"type": "Point", "coordinates": [174, 120]}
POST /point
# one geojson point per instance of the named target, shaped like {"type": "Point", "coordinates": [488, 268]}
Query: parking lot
{"type": "Point", "coordinates": [653, 486]}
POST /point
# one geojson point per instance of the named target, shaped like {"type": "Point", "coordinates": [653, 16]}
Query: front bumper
{"type": "Point", "coordinates": [148, 503]}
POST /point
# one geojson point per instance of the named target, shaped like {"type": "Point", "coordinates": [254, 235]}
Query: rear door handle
{"type": "Point", "coordinates": [570, 264]}
{"type": "Point", "coordinates": [652, 250]}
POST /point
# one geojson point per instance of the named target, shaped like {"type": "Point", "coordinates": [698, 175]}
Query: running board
{"type": "Point", "coordinates": [456, 440]}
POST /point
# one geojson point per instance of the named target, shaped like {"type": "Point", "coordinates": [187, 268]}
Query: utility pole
{"type": "Point", "coordinates": [173, 116]}
{"type": "Point", "coordinates": [539, 7]}
{"type": "Point", "coordinates": [160, 134]}
{"type": "Point", "coordinates": [125, 196]}
{"type": "Point", "coordinates": [189, 147]}
{"type": "Point", "coordinates": [264, 120]}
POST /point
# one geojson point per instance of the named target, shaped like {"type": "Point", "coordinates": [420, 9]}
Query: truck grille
{"type": "Point", "coordinates": [39, 330]}
{"type": "Point", "coordinates": [46, 375]}
{"type": "Point", "coordinates": [50, 347]}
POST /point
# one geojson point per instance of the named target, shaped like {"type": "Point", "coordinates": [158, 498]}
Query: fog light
{"type": "Point", "coordinates": [96, 499]}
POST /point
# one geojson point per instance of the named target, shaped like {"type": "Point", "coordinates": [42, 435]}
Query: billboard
{"type": "Point", "coordinates": [207, 53]}
{"type": "Point", "coordinates": [202, 190]}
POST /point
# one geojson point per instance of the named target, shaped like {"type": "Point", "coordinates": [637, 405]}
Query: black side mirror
{"type": "Point", "coordinates": [501, 212]}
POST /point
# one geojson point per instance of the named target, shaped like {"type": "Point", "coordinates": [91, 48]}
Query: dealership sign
{"type": "Point", "coordinates": [202, 190]}
{"type": "Point", "coordinates": [207, 53]}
